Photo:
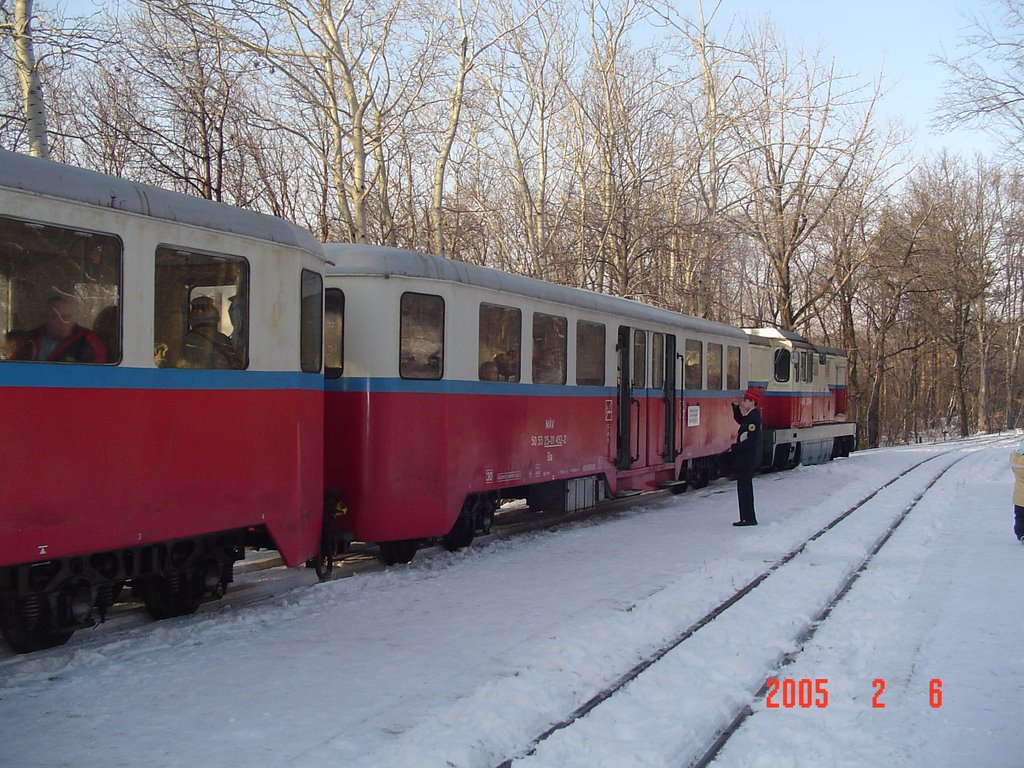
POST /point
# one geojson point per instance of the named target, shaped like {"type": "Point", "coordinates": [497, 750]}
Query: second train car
{"type": "Point", "coordinates": [451, 387]}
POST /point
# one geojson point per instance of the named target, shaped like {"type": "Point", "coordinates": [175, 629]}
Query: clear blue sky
{"type": "Point", "coordinates": [899, 38]}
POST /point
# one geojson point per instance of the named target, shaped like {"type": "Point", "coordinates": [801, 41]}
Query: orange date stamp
{"type": "Point", "coordinates": [805, 693]}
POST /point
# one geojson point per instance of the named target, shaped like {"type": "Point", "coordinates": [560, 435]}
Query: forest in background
{"type": "Point", "coordinates": [614, 145]}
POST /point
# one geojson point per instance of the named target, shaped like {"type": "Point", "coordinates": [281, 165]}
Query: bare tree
{"type": "Point", "coordinates": [25, 64]}
{"type": "Point", "coordinates": [527, 79]}
{"type": "Point", "coordinates": [348, 68]}
{"type": "Point", "coordinates": [893, 274]}
{"type": "Point", "coordinates": [1011, 245]}
{"type": "Point", "coordinates": [703, 192]}
{"type": "Point", "coordinates": [621, 109]}
{"type": "Point", "coordinates": [803, 127]}
{"type": "Point", "coordinates": [473, 30]}
{"type": "Point", "coordinates": [956, 242]}
{"type": "Point", "coordinates": [985, 89]}
{"type": "Point", "coordinates": [37, 46]}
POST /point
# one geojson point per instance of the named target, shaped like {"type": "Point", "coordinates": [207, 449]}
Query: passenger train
{"type": "Point", "coordinates": [182, 380]}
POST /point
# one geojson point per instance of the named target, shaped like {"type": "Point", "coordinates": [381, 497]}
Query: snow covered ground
{"type": "Point", "coordinates": [461, 659]}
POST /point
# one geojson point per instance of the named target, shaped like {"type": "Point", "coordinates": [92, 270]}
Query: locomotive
{"type": "Point", "coordinates": [182, 380]}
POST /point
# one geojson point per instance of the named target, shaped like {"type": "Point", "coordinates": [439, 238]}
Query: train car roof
{"type": "Point", "coordinates": [756, 335]}
{"type": "Point", "coordinates": [383, 261]}
{"type": "Point", "coordinates": [67, 182]}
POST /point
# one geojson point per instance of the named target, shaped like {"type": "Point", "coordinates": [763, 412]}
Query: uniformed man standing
{"type": "Point", "coordinates": [746, 454]}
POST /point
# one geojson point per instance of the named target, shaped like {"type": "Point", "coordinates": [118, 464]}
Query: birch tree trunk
{"type": "Point", "coordinates": [29, 81]}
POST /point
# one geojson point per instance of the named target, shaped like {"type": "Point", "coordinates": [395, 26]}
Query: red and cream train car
{"type": "Point", "coordinates": [185, 424]}
{"type": "Point", "coordinates": [803, 399]}
{"type": "Point", "coordinates": [450, 387]}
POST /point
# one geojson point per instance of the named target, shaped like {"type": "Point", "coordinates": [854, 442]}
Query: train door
{"type": "Point", "coordinates": [670, 451]}
{"type": "Point", "coordinates": [632, 400]}
{"type": "Point", "coordinates": [661, 405]}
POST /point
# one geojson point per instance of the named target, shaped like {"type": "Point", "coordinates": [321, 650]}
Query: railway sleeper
{"type": "Point", "coordinates": [42, 604]}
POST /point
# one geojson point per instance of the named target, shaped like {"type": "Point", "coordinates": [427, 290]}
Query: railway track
{"type": "Point", "coordinates": [713, 740]}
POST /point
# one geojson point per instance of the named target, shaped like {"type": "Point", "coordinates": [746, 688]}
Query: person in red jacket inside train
{"type": "Point", "coordinates": [60, 339]}
{"type": "Point", "coordinates": [746, 454]}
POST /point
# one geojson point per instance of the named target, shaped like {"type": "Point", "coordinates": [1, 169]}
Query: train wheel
{"type": "Point", "coordinates": [173, 594]}
{"type": "Point", "coordinates": [461, 534]}
{"type": "Point", "coordinates": [27, 625]}
{"type": "Point", "coordinates": [465, 525]}
{"type": "Point", "coordinates": [323, 563]}
{"type": "Point", "coordinates": [398, 552]}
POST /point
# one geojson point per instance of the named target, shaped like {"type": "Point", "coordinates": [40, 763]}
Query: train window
{"type": "Point", "coordinates": [639, 359]}
{"type": "Point", "coordinates": [500, 343]}
{"type": "Point", "coordinates": [201, 314]}
{"type": "Point", "coordinates": [714, 366]}
{"type": "Point", "coordinates": [732, 368]}
{"type": "Point", "coordinates": [421, 345]}
{"type": "Point", "coordinates": [693, 373]}
{"type": "Point", "coordinates": [311, 322]}
{"type": "Point", "coordinates": [802, 366]}
{"type": "Point", "coordinates": [59, 294]}
{"type": "Point", "coordinates": [658, 360]}
{"type": "Point", "coordinates": [549, 349]}
{"type": "Point", "coordinates": [334, 333]}
{"type": "Point", "coordinates": [812, 366]}
{"type": "Point", "coordinates": [590, 354]}
{"type": "Point", "coordinates": [782, 365]}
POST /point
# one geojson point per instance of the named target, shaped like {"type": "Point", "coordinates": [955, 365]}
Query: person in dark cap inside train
{"type": "Point", "coordinates": [746, 453]}
{"type": "Point", "coordinates": [204, 346]}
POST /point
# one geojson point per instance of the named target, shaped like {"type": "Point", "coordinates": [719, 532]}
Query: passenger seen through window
{"type": "Point", "coordinates": [56, 286]}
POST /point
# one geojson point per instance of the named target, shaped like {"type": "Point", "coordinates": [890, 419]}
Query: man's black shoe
{"type": "Point", "coordinates": [746, 522]}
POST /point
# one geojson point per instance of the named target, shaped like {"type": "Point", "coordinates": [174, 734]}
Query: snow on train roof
{"type": "Point", "coordinates": [345, 259]}
{"type": "Point", "coordinates": [66, 182]}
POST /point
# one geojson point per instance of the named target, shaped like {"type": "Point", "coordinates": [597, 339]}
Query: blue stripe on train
{"type": "Point", "coordinates": [78, 376]}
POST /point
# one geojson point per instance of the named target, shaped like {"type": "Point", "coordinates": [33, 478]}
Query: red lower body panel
{"type": "Point", "coordinates": [91, 470]}
{"type": "Point", "coordinates": [404, 462]}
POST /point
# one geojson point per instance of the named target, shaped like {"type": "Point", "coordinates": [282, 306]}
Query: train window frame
{"type": "Point", "coordinates": [550, 354]}
{"type": "Point", "coordinates": [713, 373]}
{"type": "Point", "coordinates": [732, 367]}
{"type": "Point", "coordinates": [591, 353]}
{"type": "Point", "coordinates": [499, 342]}
{"type": "Point", "coordinates": [62, 254]}
{"type": "Point", "coordinates": [172, 322]}
{"type": "Point", "coordinates": [693, 364]}
{"type": "Point", "coordinates": [433, 367]}
{"type": "Point", "coordinates": [311, 321]}
{"type": "Point", "coordinates": [638, 379]}
{"type": "Point", "coordinates": [783, 365]}
{"type": "Point", "coordinates": [334, 315]}
{"type": "Point", "coordinates": [658, 360]}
